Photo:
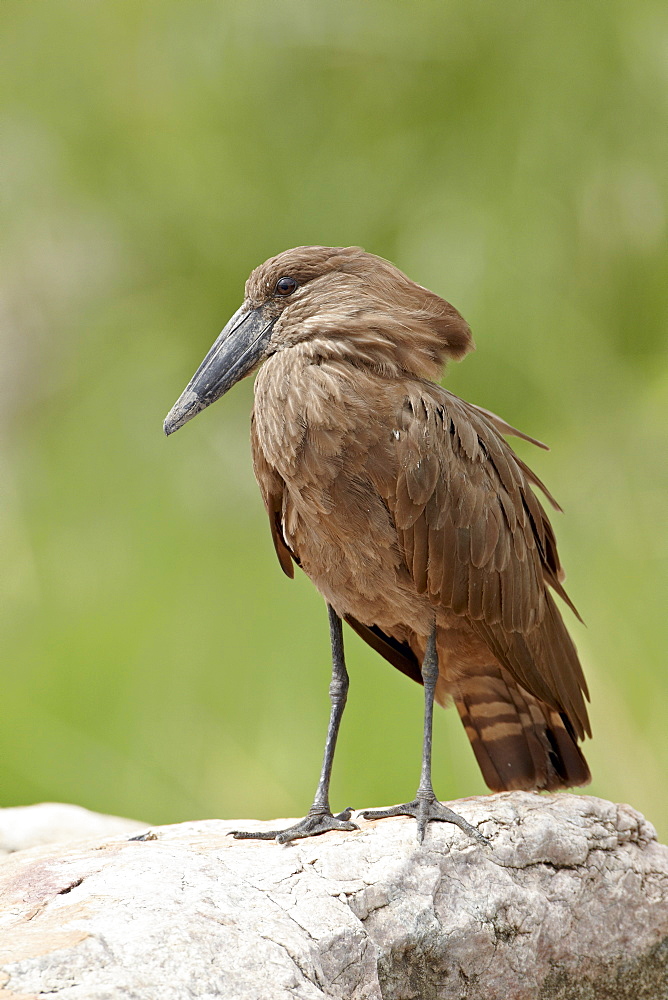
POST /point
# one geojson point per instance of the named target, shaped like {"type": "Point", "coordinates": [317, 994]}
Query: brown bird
{"type": "Point", "coordinates": [409, 512]}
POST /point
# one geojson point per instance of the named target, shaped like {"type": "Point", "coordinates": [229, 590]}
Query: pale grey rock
{"type": "Point", "coordinates": [570, 902]}
{"type": "Point", "coordinates": [50, 822]}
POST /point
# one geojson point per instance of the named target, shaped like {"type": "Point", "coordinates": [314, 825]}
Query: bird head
{"type": "Point", "coordinates": [328, 302]}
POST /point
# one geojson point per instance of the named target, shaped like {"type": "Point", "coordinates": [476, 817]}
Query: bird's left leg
{"type": "Point", "coordinates": [320, 818]}
{"type": "Point", "coordinates": [425, 806]}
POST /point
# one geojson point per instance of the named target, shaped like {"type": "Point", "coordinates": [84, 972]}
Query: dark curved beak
{"type": "Point", "coordinates": [236, 352]}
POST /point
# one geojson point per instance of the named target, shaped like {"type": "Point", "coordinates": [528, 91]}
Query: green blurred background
{"type": "Point", "coordinates": [511, 157]}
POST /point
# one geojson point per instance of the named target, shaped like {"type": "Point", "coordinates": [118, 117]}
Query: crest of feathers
{"type": "Point", "coordinates": [361, 308]}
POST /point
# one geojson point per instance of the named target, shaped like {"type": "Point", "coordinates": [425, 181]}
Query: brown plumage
{"type": "Point", "coordinates": [404, 504]}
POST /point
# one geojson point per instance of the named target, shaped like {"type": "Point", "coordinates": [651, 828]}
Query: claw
{"type": "Point", "coordinates": [424, 810]}
{"type": "Point", "coordinates": [311, 826]}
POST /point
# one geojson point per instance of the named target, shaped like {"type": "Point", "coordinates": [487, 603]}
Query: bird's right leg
{"type": "Point", "coordinates": [320, 818]}
{"type": "Point", "coordinates": [425, 806]}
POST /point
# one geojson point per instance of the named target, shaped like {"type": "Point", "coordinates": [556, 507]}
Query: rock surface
{"type": "Point", "coordinates": [570, 902]}
{"type": "Point", "coordinates": [52, 822]}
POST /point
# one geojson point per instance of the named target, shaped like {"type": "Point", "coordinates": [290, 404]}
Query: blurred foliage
{"type": "Point", "coordinates": [509, 156]}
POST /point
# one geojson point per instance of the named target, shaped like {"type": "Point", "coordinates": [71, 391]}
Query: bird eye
{"type": "Point", "coordinates": [285, 286]}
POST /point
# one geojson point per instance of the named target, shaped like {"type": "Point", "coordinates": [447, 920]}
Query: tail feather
{"type": "Point", "coordinates": [519, 741]}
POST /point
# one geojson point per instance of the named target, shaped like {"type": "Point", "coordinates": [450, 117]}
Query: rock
{"type": "Point", "coordinates": [570, 902]}
{"type": "Point", "coordinates": [51, 822]}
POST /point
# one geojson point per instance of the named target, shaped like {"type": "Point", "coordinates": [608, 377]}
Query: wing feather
{"type": "Point", "coordinates": [273, 491]}
{"type": "Point", "coordinates": [420, 554]}
{"type": "Point", "coordinates": [476, 538]}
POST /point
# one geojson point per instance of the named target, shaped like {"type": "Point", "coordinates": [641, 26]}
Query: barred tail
{"type": "Point", "coordinates": [519, 741]}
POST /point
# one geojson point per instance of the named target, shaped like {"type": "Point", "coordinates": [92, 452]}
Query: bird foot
{"type": "Point", "coordinates": [312, 825]}
{"type": "Point", "coordinates": [425, 809]}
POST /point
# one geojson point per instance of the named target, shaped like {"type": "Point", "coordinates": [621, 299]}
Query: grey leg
{"type": "Point", "coordinates": [320, 818]}
{"type": "Point", "coordinates": [425, 806]}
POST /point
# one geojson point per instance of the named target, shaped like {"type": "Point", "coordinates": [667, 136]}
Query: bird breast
{"type": "Point", "coordinates": [321, 438]}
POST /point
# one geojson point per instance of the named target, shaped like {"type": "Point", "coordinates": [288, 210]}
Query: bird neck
{"type": "Point", "coordinates": [306, 404]}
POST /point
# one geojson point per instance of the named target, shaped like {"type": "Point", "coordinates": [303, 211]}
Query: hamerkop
{"type": "Point", "coordinates": [409, 512]}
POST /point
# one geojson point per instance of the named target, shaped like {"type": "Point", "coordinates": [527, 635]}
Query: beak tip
{"type": "Point", "coordinates": [173, 420]}
{"type": "Point", "coordinates": [183, 410]}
